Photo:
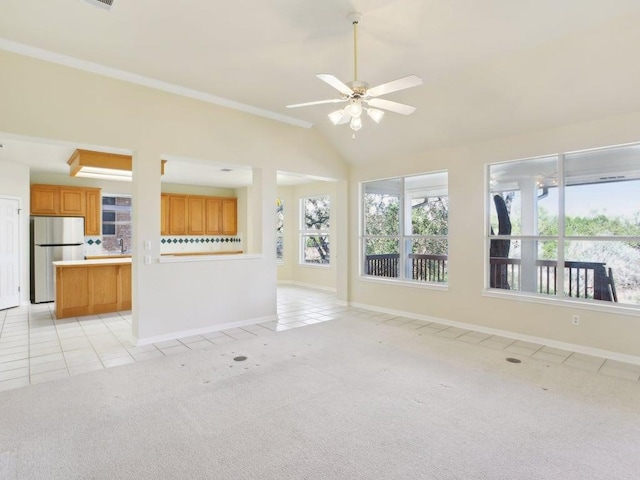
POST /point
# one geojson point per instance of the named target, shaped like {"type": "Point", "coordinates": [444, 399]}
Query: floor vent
{"type": "Point", "coordinates": [513, 360]}
{"type": "Point", "coordinates": [106, 4]}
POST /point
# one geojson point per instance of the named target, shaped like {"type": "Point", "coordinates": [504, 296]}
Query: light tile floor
{"type": "Point", "coordinates": [34, 347]}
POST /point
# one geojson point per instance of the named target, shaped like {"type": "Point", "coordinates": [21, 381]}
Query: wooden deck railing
{"type": "Point", "coordinates": [581, 279]}
{"type": "Point", "coordinates": [428, 268]}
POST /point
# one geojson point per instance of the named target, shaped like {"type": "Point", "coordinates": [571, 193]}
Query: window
{"type": "Point", "coordinates": [314, 230]}
{"type": "Point", "coordinates": [279, 231]}
{"type": "Point", "coordinates": [116, 223]}
{"type": "Point", "coordinates": [405, 227]}
{"type": "Point", "coordinates": [578, 210]}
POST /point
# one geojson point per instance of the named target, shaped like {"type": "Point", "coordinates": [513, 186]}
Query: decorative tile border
{"type": "Point", "coordinates": [169, 241]}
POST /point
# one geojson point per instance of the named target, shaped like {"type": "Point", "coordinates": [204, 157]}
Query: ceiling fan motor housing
{"type": "Point", "coordinates": [358, 87]}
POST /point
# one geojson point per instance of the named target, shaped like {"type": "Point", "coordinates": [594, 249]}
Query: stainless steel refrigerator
{"type": "Point", "coordinates": [52, 239]}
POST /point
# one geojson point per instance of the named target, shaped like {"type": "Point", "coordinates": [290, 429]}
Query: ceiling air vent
{"type": "Point", "coordinates": [106, 4]}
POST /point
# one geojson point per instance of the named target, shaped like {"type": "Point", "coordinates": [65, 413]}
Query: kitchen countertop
{"type": "Point", "coordinates": [100, 261]}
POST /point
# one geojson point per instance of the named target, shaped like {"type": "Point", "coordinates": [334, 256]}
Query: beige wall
{"type": "Point", "coordinates": [54, 102]}
{"type": "Point", "coordinates": [291, 270]}
{"type": "Point", "coordinates": [613, 328]}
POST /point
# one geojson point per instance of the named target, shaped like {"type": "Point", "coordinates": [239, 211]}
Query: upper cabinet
{"type": "Point", "coordinates": [45, 200]}
{"type": "Point", "coordinates": [62, 200]}
{"type": "Point", "coordinates": [73, 201]}
{"type": "Point", "coordinates": [213, 216]}
{"type": "Point", "coordinates": [177, 214]}
{"type": "Point", "coordinates": [196, 209]}
{"type": "Point", "coordinates": [164, 214]}
{"type": "Point", "coordinates": [93, 212]}
{"type": "Point", "coordinates": [198, 215]}
{"type": "Point", "coordinates": [229, 216]}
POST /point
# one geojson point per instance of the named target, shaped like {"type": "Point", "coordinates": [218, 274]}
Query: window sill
{"type": "Point", "coordinates": [315, 265]}
{"type": "Point", "coordinates": [593, 305]}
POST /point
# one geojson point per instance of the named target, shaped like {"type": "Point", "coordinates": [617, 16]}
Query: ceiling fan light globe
{"type": "Point", "coordinates": [336, 116]}
{"type": "Point", "coordinates": [354, 108]}
{"type": "Point", "coordinates": [375, 114]}
{"type": "Point", "coordinates": [356, 123]}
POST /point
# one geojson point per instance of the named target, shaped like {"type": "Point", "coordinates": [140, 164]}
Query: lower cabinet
{"type": "Point", "coordinates": [88, 289]}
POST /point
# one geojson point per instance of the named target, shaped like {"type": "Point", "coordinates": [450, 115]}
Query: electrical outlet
{"type": "Point", "coordinates": [575, 320]}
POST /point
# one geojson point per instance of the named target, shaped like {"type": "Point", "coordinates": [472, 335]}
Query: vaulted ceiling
{"type": "Point", "coordinates": [491, 68]}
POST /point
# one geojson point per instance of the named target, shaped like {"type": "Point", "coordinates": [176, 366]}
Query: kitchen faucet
{"type": "Point", "coordinates": [121, 244]}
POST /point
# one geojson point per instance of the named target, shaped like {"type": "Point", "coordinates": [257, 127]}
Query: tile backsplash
{"type": "Point", "coordinates": [195, 243]}
{"type": "Point", "coordinates": [177, 244]}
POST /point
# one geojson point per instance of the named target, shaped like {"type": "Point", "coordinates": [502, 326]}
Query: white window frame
{"type": "Point", "coordinates": [280, 234]}
{"type": "Point", "coordinates": [561, 238]}
{"type": "Point", "coordinates": [404, 239]}
{"type": "Point", "coordinates": [304, 233]}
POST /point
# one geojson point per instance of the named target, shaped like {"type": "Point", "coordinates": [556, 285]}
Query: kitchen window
{"type": "Point", "coordinates": [116, 223]}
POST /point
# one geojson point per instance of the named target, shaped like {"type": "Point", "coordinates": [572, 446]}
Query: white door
{"type": "Point", "coordinates": [9, 253]}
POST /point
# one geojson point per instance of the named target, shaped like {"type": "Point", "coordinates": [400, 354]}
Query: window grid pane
{"type": "Point", "coordinates": [314, 230]}
{"type": "Point", "coordinates": [588, 218]}
{"type": "Point", "coordinates": [417, 205]}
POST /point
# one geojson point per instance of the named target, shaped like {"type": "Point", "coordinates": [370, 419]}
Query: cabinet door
{"type": "Point", "coordinates": [196, 211]}
{"type": "Point", "coordinates": [93, 217]}
{"type": "Point", "coordinates": [45, 200]}
{"type": "Point", "coordinates": [125, 287]}
{"type": "Point", "coordinates": [213, 209]}
{"type": "Point", "coordinates": [164, 214]}
{"type": "Point", "coordinates": [177, 214]}
{"type": "Point", "coordinates": [72, 201]}
{"type": "Point", "coordinates": [229, 216]}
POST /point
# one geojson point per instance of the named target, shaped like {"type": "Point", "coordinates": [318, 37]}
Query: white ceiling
{"type": "Point", "coordinates": [491, 68]}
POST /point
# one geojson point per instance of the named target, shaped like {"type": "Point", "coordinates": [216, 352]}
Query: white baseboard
{"type": "Point", "coordinates": [596, 352]}
{"type": "Point", "coordinates": [199, 331]}
{"type": "Point", "coordinates": [307, 285]}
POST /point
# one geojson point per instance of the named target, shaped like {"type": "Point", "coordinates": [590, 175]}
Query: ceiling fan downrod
{"type": "Point", "coordinates": [354, 18]}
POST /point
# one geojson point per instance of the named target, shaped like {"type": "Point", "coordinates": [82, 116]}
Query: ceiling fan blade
{"type": "Point", "coordinates": [319, 102]}
{"type": "Point", "coordinates": [391, 106]}
{"type": "Point", "coordinates": [394, 86]}
{"type": "Point", "coordinates": [335, 83]}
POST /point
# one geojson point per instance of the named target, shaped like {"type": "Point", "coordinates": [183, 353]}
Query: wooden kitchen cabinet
{"type": "Point", "coordinates": [196, 215]}
{"type": "Point", "coordinates": [213, 214]}
{"type": "Point", "coordinates": [62, 200]}
{"type": "Point", "coordinates": [125, 287]}
{"type": "Point", "coordinates": [229, 216]}
{"type": "Point", "coordinates": [92, 287]}
{"type": "Point", "coordinates": [178, 214]}
{"type": "Point", "coordinates": [93, 212]}
{"type": "Point", "coordinates": [72, 202]}
{"type": "Point", "coordinates": [45, 199]}
{"type": "Point", "coordinates": [164, 214]}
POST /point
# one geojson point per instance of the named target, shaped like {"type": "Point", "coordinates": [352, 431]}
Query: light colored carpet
{"type": "Point", "coordinates": [346, 399]}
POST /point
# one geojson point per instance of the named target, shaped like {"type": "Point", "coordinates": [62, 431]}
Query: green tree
{"type": "Point", "coordinates": [317, 217]}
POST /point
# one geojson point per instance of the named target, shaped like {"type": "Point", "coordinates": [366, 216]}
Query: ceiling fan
{"type": "Point", "coordinates": [359, 96]}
